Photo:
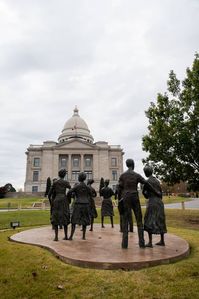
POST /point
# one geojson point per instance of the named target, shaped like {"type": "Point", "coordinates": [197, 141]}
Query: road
{"type": "Point", "coordinates": [193, 204]}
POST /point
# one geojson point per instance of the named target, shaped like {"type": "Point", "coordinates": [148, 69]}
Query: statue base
{"type": "Point", "coordinates": [102, 248]}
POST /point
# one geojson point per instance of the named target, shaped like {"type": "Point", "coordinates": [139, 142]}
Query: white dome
{"type": "Point", "coordinates": [75, 127]}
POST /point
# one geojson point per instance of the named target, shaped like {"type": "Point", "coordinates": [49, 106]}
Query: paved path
{"type": "Point", "coordinates": [193, 204]}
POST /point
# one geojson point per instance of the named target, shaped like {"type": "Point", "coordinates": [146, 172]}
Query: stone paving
{"type": "Point", "coordinates": [102, 248]}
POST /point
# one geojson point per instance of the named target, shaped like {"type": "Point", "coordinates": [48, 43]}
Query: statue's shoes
{"type": "Point", "coordinates": [142, 246]}
{"type": "Point", "coordinates": [160, 243]}
{"type": "Point", "coordinates": [149, 245]}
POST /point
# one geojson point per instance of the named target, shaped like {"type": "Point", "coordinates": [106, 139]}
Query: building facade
{"type": "Point", "coordinates": [75, 151]}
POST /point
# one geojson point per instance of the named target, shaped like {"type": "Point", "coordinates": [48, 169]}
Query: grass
{"type": "Point", "coordinates": [168, 199]}
{"type": "Point", "coordinates": [26, 218]}
{"type": "Point", "coordinates": [23, 202]}
{"type": "Point", "coordinates": [27, 202]}
{"type": "Point", "coordinates": [31, 272]}
{"type": "Point", "coordinates": [175, 218]}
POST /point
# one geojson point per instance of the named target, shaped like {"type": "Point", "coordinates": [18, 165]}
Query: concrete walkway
{"type": "Point", "coordinates": [193, 204]}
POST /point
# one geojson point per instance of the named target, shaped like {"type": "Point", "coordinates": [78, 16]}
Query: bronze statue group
{"type": "Point", "coordinates": [76, 206]}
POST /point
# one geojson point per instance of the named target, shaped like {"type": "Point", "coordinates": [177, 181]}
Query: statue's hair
{"type": "Point", "coordinates": [82, 176]}
{"type": "Point", "coordinates": [106, 182]}
{"type": "Point", "coordinates": [62, 173]}
{"type": "Point", "coordinates": [130, 163]}
{"type": "Point", "coordinates": [148, 170]}
{"type": "Point", "coordinates": [90, 182]}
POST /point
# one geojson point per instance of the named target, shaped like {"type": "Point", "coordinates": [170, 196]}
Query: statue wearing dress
{"type": "Point", "coordinates": [154, 219]}
{"type": "Point", "coordinates": [93, 211]}
{"type": "Point", "coordinates": [107, 205]}
{"type": "Point", "coordinates": [81, 210]}
{"type": "Point", "coordinates": [60, 204]}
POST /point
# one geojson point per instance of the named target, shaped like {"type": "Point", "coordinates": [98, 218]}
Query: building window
{"type": "Point", "coordinates": [113, 162]}
{"type": "Point", "coordinates": [114, 187]}
{"type": "Point", "coordinates": [75, 175]}
{"type": "Point", "coordinates": [66, 177]}
{"type": "Point", "coordinates": [36, 162]}
{"type": "Point", "coordinates": [63, 162]}
{"type": "Point", "coordinates": [76, 162]}
{"type": "Point", "coordinates": [89, 175]}
{"type": "Point", "coordinates": [34, 189]}
{"type": "Point", "coordinates": [88, 161]}
{"type": "Point", "coordinates": [114, 175]}
{"type": "Point", "coordinates": [35, 176]}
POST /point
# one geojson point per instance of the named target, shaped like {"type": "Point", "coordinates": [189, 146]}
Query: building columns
{"type": "Point", "coordinates": [69, 168]}
{"type": "Point", "coordinates": [82, 163]}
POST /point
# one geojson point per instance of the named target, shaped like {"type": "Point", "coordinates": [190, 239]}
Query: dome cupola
{"type": "Point", "coordinates": [75, 127]}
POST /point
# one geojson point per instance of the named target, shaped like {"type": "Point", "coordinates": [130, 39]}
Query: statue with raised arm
{"type": "Point", "coordinates": [93, 211]}
{"type": "Point", "coordinates": [154, 219]}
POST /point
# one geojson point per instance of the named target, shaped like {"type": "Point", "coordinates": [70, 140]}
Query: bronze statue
{"type": "Point", "coordinates": [130, 224]}
{"type": "Point", "coordinates": [93, 211]}
{"type": "Point", "coordinates": [60, 204]}
{"type": "Point", "coordinates": [48, 186]}
{"type": "Point", "coordinates": [51, 196]}
{"type": "Point", "coordinates": [128, 183]}
{"type": "Point", "coordinates": [81, 210]}
{"type": "Point", "coordinates": [107, 205]}
{"type": "Point", "coordinates": [154, 219]}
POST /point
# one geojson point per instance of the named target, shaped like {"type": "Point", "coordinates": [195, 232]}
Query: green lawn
{"type": "Point", "coordinates": [26, 218]}
{"type": "Point", "coordinates": [31, 272]}
{"type": "Point", "coordinates": [167, 199]}
{"type": "Point", "coordinates": [175, 218]}
{"type": "Point", "coordinates": [27, 202]}
{"type": "Point", "coordinates": [23, 202]}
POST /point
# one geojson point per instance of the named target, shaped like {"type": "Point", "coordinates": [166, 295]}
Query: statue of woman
{"type": "Point", "coordinates": [60, 204]}
{"type": "Point", "coordinates": [93, 211]}
{"type": "Point", "coordinates": [107, 205]}
{"type": "Point", "coordinates": [154, 219]}
{"type": "Point", "coordinates": [81, 210]}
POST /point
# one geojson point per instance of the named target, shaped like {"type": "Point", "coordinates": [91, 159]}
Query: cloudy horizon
{"type": "Point", "coordinates": [110, 58]}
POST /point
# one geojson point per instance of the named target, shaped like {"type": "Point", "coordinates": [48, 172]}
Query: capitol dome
{"type": "Point", "coordinates": [75, 127]}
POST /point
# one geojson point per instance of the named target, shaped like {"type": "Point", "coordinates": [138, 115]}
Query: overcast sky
{"type": "Point", "coordinates": [108, 57]}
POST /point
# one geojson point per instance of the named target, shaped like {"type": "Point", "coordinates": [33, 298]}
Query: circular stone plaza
{"type": "Point", "coordinates": [102, 248]}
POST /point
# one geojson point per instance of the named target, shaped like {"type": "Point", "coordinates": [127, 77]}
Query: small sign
{"type": "Point", "coordinates": [14, 224]}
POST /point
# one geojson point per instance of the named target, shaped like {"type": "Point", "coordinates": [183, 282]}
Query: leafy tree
{"type": "Point", "coordinates": [173, 132]}
{"type": "Point", "coordinates": [5, 189]}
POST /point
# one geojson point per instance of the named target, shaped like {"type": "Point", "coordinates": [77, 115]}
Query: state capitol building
{"type": "Point", "coordinates": [75, 151]}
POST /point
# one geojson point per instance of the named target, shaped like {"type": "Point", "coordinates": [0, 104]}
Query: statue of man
{"type": "Point", "coordinates": [128, 183]}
